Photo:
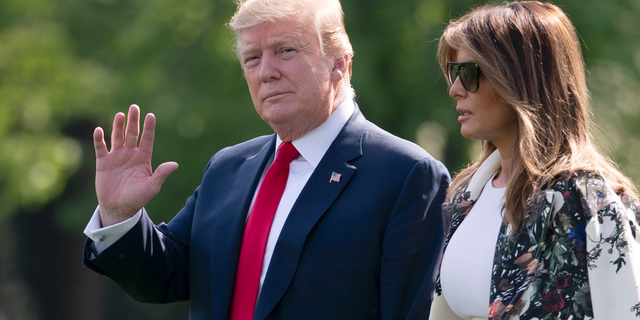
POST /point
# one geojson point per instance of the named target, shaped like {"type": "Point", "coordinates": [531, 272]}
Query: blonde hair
{"type": "Point", "coordinates": [328, 21]}
{"type": "Point", "coordinates": [531, 54]}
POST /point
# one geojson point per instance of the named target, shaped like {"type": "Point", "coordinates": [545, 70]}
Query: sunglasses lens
{"type": "Point", "coordinates": [469, 76]}
{"type": "Point", "coordinates": [453, 72]}
{"type": "Point", "coordinates": [469, 73]}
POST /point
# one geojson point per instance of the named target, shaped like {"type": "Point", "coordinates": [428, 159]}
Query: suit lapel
{"type": "Point", "coordinates": [314, 200]}
{"type": "Point", "coordinates": [227, 234]}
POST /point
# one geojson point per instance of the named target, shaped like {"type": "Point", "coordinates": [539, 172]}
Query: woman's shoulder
{"type": "Point", "coordinates": [582, 182]}
{"type": "Point", "coordinates": [576, 179]}
{"type": "Point", "coordinates": [593, 191]}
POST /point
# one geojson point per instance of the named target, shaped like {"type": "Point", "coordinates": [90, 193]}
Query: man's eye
{"type": "Point", "coordinates": [251, 60]}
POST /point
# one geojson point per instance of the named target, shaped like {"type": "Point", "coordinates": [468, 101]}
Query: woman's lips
{"type": "Point", "coordinates": [464, 114]}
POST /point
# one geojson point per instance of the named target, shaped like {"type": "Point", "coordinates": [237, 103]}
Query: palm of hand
{"type": "Point", "coordinates": [125, 181]}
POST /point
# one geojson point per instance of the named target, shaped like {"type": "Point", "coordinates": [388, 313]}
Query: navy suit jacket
{"type": "Point", "coordinates": [366, 247]}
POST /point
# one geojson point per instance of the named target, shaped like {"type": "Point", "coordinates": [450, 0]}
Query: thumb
{"type": "Point", "coordinates": [163, 171]}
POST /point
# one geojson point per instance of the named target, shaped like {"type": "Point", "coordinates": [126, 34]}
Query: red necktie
{"type": "Point", "coordinates": [256, 233]}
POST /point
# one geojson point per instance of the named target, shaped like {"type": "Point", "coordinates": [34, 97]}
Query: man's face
{"type": "Point", "coordinates": [290, 82]}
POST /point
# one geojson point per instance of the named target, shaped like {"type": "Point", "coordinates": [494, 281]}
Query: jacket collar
{"type": "Point", "coordinates": [488, 168]}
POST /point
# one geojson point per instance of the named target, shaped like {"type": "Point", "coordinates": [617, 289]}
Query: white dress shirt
{"type": "Point", "coordinates": [312, 147]}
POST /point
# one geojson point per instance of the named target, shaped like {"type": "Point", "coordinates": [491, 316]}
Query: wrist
{"type": "Point", "coordinates": [110, 217]}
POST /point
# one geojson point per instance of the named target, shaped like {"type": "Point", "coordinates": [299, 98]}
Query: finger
{"type": "Point", "coordinates": [117, 132]}
{"type": "Point", "coordinates": [148, 133]}
{"type": "Point", "coordinates": [133, 127]}
{"type": "Point", "coordinates": [98, 143]}
{"type": "Point", "coordinates": [162, 172]}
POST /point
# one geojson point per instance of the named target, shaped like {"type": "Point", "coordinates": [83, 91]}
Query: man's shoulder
{"type": "Point", "coordinates": [379, 141]}
{"type": "Point", "coordinates": [381, 149]}
{"type": "Point", "coordinates": [256, 143]}
{"type": "Point", "coordinates": [244, 149]}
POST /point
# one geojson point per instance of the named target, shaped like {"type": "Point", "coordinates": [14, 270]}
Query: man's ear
{"type": "Point", "coordinates": [340, 67]}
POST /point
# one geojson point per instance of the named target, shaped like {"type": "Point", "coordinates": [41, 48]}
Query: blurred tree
{"type": "Point", "coordinates": [67, 66]}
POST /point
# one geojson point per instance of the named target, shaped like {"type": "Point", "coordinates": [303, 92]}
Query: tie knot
{"type": "Point", "coordinates": [286, 153]}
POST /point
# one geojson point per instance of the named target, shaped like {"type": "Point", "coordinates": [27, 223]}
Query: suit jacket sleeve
{"type": "Point", "coordinates": [150, 263]}
{"type": "Point", "coordinates": [412, 243]}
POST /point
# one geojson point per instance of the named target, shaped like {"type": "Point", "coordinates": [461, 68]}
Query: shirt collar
{"type": "Point", "coordinates": [315, 143]}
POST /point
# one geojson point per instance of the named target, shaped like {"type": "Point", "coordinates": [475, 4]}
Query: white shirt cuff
{"type": "Point", "coordinates": [104, 237]}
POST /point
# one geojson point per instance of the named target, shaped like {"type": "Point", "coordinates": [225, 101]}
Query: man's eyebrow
{"type": "Point", "coordinates": [283, 41]}
{"type": "Point", "coordinates": [275, 42]}
{"type": "Point", "coordinates": [248, 48]}
{"type": "Point", "coordinates": [271, 43]}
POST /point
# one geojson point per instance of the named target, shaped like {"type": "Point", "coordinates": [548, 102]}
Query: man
{"type": "Point", "coordinates": [343, 224]}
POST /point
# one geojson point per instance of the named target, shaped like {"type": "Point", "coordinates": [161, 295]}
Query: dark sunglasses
{"type": "Point", "coordinates": [469, 73]}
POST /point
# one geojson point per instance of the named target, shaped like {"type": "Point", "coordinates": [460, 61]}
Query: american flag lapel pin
{"type": "Point", "coordinates": [335, 177]}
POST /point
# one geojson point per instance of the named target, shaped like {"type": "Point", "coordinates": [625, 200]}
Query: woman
{"type": "Point", "coordinates": [543, 226]}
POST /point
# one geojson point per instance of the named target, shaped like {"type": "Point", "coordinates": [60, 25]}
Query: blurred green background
{"type": "Point", "coordinates": [66, 66]}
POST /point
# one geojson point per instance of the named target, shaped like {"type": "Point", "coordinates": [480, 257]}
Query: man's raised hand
{"type": "Point", "coordinates": [125, 180]}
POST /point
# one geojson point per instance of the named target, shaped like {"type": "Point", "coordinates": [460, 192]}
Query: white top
{"type": "Point", "coordinates": [312, 147]}
{"type": "Point", "coordinates": [467, 264]}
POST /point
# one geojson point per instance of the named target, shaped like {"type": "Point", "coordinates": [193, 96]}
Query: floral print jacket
{"type": "Point", "coordinates": [577, 256]}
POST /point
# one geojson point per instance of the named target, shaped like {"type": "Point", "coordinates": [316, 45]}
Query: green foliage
{"type": "Point", "coordinates": [41, 88]}
{"type": "Point", "coordinates": [65, 64]}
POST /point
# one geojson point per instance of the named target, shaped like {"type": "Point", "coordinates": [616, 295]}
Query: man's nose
{"type": "Point", "coordinates": [269, 68]}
